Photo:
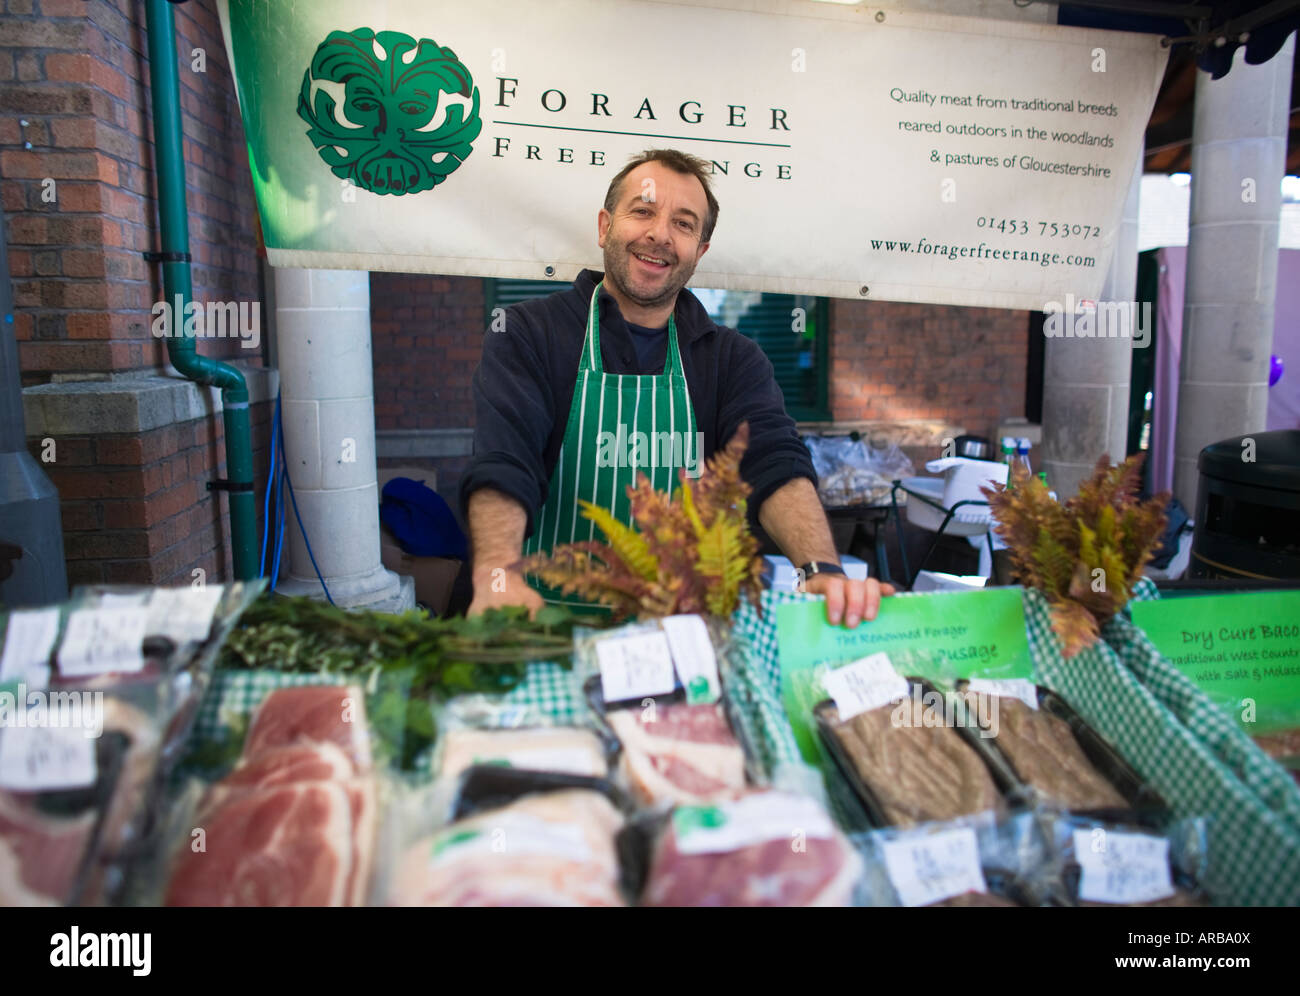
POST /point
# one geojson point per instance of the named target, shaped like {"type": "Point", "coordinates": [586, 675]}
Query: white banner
{"type": "Point", "coordinates": [857, 153]}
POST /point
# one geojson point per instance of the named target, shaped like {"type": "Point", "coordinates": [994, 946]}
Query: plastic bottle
{"type": "Point", "coordinates": [1022, 455]}
{"type": "Point", "coordinates": [1009, 457]}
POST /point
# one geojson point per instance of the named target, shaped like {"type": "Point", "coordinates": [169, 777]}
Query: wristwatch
{"type": "Point", "coordinates": [821, 567]}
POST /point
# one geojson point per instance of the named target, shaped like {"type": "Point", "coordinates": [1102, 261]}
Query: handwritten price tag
{"type": "Point", "coordinates": [934, 867]}
{"type": "Point", "coordinates": [28, 642]}
{"type": "Point", "coordinates": [864, 685]}
{"type": "Point", "coordinates": [692, 650]}
{"type": "Point", "coordinates": [184, 614]}
{"type": "Point", "coordinates": [633, 667]}
{"type": "Point", "coordinates": [103, 641]}
{"type": "Point", "coordinates": [42, 758]}
{"type": "Point", "coordinates": [1123, 868]}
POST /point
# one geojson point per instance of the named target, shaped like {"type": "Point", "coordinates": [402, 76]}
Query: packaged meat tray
{"type": "Point", "coordinates": [674, 752]}
{"type": "Point", "coordinates": [296, 822]}
{"type": "Point", "coordinates": [911, 772]}
{"type": "Point", "coordinates": [1054, 752]}
{"type": "Point", "coordinates": [549, 849]}
{"type": "Point", "coordinates": [1098, 862]}
{"type": "Point", "coordinates": [979, 860]}
{"type": "Point", "coordinates": [758, 848]}
{"type": "Point", "coordinates": [50, 841]}
{"type": "Point", "coordinates": [485, 729]}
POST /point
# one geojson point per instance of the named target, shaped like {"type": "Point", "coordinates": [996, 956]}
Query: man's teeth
{"type": "Point", "coordinates": [651, 259]}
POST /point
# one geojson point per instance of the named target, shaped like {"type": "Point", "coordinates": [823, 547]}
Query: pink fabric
{"type": "Point", "coordinates": [1283, 397]}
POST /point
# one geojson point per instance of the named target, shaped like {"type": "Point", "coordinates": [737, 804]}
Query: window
{"type": "Point", "coordinates": [792, 329]}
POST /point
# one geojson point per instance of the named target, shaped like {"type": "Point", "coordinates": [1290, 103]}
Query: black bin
{"type": "Point", "coordinates": [1248, 511]}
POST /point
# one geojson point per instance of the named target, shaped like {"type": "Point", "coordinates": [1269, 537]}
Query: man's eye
{"type": "Point", "coordinates": [686, 226]}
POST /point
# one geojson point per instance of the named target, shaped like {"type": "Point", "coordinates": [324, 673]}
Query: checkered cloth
{"type": "Point", "coordinates": [1187, 749]}
{"type": "Point", "coordinates": [1190, 752]}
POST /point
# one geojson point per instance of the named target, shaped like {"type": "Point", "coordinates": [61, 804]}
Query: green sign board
{"type": "Point", "coordinates": [940, 636]}
{"type": "Point", "coordinates": [1243, 651]}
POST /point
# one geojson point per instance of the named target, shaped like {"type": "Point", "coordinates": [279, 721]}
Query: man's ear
{"type": "Point", "coordinates": [603, 220]}
{"type": "Point", "coordinates": [704, 247]}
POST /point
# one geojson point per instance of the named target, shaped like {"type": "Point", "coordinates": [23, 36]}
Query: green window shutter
{"type": "Point", "coordinates": [800, 359]}
{"type": "Point", "coordinates": [793, 330]}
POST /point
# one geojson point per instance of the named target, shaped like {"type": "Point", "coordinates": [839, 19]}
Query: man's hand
{"type": "Point", "coordinates": [506, 588]}
{"type": "Point", "coordinates": [847, 599]}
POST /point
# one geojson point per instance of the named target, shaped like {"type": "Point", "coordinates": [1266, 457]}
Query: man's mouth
{"type": "Point", "coordinates": [653, 261]}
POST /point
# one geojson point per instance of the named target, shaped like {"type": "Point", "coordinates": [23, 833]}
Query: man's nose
{"type": "Point", "coordinates": [658, 230]}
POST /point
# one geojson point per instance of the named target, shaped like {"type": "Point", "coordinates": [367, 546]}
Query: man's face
{"type": "Point", "coordinates": [652, 239]}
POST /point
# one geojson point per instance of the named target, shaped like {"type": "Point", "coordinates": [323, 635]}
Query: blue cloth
{"type": "Point", "coordinates": [421, 520]}
{"type": "Point", "coordinates": [651, 347]}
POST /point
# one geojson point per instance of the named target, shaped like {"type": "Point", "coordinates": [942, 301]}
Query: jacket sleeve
{"type": "Point", "coordinates": [514, 410]}
{"type": "Point", "coordinates": [748, 392]}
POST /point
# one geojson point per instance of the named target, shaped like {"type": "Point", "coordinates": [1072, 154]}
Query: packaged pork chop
{"type": "Point", "coordinates": [306, 773]}
{"type": "Point", "coordinates": [550, 848]}
{"type": "Point", "coordinates": [764, 847]}
{"type": "Point", "coordinates": [658, 690]}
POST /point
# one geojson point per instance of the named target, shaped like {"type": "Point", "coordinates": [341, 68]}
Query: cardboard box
{"type": "Point", "coordinates": [434, 576]}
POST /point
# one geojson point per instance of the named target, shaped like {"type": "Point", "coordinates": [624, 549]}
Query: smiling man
{"type": "Point", "coordinates": [629, 361]}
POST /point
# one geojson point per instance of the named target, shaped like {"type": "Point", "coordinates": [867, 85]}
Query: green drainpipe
{"type": "Point", "coordinates": [173, 218]}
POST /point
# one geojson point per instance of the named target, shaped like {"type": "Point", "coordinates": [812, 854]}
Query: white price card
{"type": "Point", "coordinates": [183, 614]}
{"type": "Point", "coordinates": [753, 819]}
{"type": "Point", "coordinates": [1012, 688]}
{"type": "Point", "coordinates": [103, 641]}
{"type": "Point", "coordinates": [928, 868]}
{"type": "Point", "coordinates": [44, 758]}
{"type": "Point", "coordinates": [28, 641]}
{"type": "Point", "coordinates": [693, 656]}
{"type": "Point", "coordinates": [866, 684]}
{"type": "Point", "coordinates": [636, 666]}
{"type": "Point", "coordinates": [1122, 867]}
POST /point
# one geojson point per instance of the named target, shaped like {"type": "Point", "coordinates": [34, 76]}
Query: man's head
{"type": "Point", "coordinates": [656, 224]}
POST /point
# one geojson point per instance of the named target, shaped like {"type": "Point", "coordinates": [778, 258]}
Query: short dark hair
{"type": "Point", "coordinates": [680, 162]}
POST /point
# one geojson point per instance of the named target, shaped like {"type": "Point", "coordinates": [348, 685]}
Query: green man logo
{"type": "Point", "coordinates": [383, 137]}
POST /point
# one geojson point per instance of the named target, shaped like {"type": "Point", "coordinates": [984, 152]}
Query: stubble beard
{"type": "Point", "coordinates": [618, 266]}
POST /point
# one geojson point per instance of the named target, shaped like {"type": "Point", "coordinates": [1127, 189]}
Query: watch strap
{"type": "Point", "coordinates": [814, 567]}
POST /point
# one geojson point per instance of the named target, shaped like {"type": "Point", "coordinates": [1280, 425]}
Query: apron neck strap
{"type": "Point", "coordinates": [591, 343]}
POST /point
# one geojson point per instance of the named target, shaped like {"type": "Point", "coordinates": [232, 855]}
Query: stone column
{"type": "Point", "coordinates": [1239, 136]}
{"type": "Point", "coordinates": [328, 418]}
{"type": "Point", "coordinates": [1086, 381]}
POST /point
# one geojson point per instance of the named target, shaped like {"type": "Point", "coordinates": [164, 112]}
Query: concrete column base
{"type": "Point", "coordinates": [378, 591]}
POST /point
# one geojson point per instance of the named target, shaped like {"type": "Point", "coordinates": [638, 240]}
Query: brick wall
{"type": "Point", "coordinates": [77, 73]}
{"type": "Point", "coordinates": [911, 361]}
{"type": "Point", "coordinates": [427, 337]}
{"type": "Point", "coordinates": [135, 507]}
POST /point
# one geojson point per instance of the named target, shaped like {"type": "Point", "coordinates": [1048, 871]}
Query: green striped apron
{"type": "Point", "coordinates": [616, 428]}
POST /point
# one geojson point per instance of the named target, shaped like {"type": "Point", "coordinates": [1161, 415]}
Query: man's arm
{"type": "Point", "coordinates": [496, 533]}
{"type": "Point", "coordinates": [793, 516]}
